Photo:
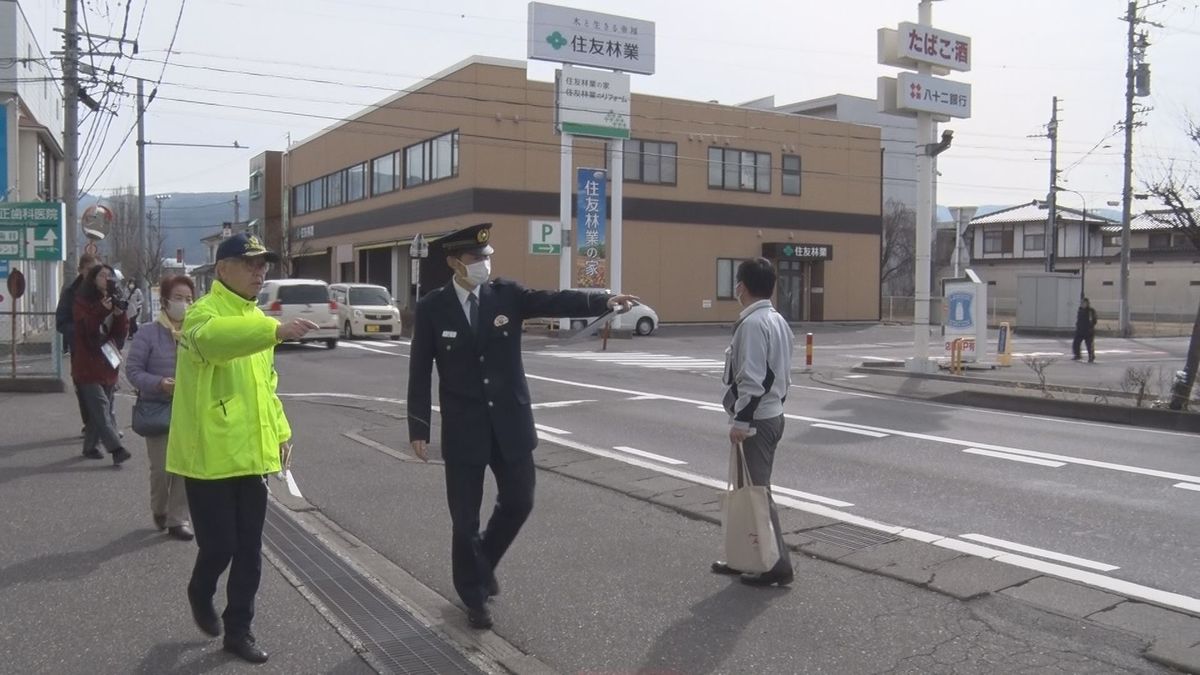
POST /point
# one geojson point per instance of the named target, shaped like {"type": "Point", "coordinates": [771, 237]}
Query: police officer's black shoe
{"type": "Point", "coordinates": [244, 648]}
{"type": "Point", "coordinates": [479, 617]}
{"type": "Point", "coordinates": [768, 578]}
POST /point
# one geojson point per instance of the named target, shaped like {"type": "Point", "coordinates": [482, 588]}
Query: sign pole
{"type": "Point", "coordinates": [564, 216]}
{"type": "Point", "coordinates": [617, 175]}
{"type": "Point", "coordinates": [926, 128]}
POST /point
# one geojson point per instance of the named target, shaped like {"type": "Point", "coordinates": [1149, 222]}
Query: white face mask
{"type": "Point", "coordinates": [176, 309]}
{"type": "Point", "coordinates": [479, 272]}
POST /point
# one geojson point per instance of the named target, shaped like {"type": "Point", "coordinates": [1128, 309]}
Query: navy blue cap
{"type": "Point", "coordinates": [245, 246]}
{"type": "Point", "coordinates": [473, 239]}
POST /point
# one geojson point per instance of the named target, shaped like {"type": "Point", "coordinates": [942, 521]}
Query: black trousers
{"type": "Point", "coordinates": [474, 556]}
{"type": "Point", "coordinates": [1090, 339]}
{"type": "Point", "coordinates": [227, 516]}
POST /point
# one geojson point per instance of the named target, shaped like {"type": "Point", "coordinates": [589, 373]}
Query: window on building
{"type": "Point", "coordinates": [1035, 242]}
{"type": "Point", "coordinates": [300, 199]}
{"type": "Point", "coordinates": [1112, 240]}
{"type": "Point", "coordinates": [334, 186]}
{"type": "Point", "coordinates": [1151, 283]}
{"type": "Point", "coordinates": [1181, 241]}
{"type": "Point", "coordinates": [1194, 282]}
{"type": "Point", "coordinates": [1160, 240]}
{"type": "Point", "coordinates": [356, 182]}
{"type": "Point", "coordinates": [383, 174]}
{"type": "Point", "coordinates": [428, 161]}
{"type": "Point", "coordinates": [256, 178]}
{"type": "Point", "coordinates": [316, 194]}
{"type": "Point", "coordinates": [726, 268]}
{"type": "Point", "coordinates": [650, 162]}
{"type": "Point", "coordinates": [739, 170]}
{"type": "Point", "coordinates": [998, 240]}
{"type": "Point", "coordinates": [1106, 283]}
{"type": "Point", "coordinates": [790, 180]}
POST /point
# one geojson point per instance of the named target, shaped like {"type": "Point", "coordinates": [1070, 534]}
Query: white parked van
{"type": "Point", "coordinates": [287, 299]}
{"type": "Point", "coordinates": [365, 310]}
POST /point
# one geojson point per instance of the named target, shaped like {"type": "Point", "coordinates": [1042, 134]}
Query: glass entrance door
{"type": "Point", "coordinates": [789, 290]}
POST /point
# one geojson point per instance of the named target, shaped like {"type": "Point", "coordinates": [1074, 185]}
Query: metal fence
{"type": "Point", "coordinates": [36, 348]}
{"type": "Point", "coordinates": [1157, 318]}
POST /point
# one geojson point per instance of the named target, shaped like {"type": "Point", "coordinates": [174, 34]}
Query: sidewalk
{"type": "Point", "coordinates": [87, 585]}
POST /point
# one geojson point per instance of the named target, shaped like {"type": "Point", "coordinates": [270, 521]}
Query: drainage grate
{"type": "Point", "coordinates": [388, 631]}
{"type": "Point", "coordinates": [854, 537]}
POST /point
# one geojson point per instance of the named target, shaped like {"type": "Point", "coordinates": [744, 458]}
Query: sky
{"type": "Point", "coordinates": [242, 70]}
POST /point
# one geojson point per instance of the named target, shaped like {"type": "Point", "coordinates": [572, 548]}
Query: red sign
{"type": "Point", "coordinates": [16, 284]}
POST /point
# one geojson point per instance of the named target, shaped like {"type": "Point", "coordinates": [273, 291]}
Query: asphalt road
{"type": "Point", "coordinates": [1103, 499]}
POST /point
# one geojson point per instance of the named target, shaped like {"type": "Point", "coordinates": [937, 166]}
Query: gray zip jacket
{"type": "Point", "coordinates": [758, 365]}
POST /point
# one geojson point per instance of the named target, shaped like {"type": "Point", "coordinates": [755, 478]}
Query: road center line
{"type": "Point", "coordinates": [649, 455]}
{"type": "Point", "coordinates": [1041, 552]}
{"type": "Point", "coordinates": [551, 430]}
{"type": "Point", "coordinates": [1013, 458]}
{"type": "Point", "coordinates": [1188, 486]}
{"type": "Point", "coordinates": [860, 432]}
{"type": "Point", "coordinates": [559, 404]}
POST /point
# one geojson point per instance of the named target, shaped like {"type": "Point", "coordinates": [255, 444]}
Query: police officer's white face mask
{"type": "Point", "coordinates": [479, 272]}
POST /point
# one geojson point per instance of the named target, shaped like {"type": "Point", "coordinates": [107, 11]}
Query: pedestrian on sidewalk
{"type": "Point", "coordinates": [227, 433]}
{"type": "Point", "coordinates": [100, 329]}
{"type": "Point", "coordinates": [64, 319]}
{"type": "Point", "coordinates": [1085, 330]}
{"type": "Point", "coordinates": [758, 366]}
{"type": "Point", "coordinates": [135, 307]}
{"type": "Point", "coordinates": [471, 328]}
{"type": "Point", "coordinates": [150, 368]}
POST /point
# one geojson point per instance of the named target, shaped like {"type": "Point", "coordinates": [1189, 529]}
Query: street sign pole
{"type": "Point", "coordinates": [564, 217]}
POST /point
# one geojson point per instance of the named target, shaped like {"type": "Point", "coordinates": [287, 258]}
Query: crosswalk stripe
{"type": "Point", "coordinates": [644, 360]}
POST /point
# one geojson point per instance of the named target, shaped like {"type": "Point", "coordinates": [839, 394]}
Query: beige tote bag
{"type": "Point", "coordinates": [750, 544]}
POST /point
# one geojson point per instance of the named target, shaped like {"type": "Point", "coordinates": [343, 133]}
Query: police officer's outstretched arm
{"type": "Point", "coordinates": [420, 376]}
{"type": "Point", "coordinates": [535, 304]}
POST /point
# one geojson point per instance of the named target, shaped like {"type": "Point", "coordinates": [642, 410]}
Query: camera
{"type": "Point", "coordinates": [117, 295]}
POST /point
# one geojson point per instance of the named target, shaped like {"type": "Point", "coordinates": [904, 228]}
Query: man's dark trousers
{"type": "Point", "coordinates": [474, 556]}
{"type": "Point", "coordinates": [760, 460]}
{"type": "Point", "coordinates": [1088, 338]}
{"type": "Point", "coordinates": [227, 516]}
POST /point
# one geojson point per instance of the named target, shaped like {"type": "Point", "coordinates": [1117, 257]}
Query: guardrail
{"type": "Point", "coordinates": [30, 348]}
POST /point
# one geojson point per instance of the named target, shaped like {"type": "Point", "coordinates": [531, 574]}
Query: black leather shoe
{"type": "Point", "coordinates": [493, 587]}
{"type": "Point", "coordinates": [93, 453]}
{"type": "Point", "coordinates": [479, 617]}
{"type": "Point", "coordinates": [120, 455]}
{"type": "Point", "coordinates": [244, 648]}
{"type": "Point", "coordinates": [181, 532]}
{"type": "Point", "coordinates": [768, 578]}
{"type": "Point", "coordinates": [205, 616]}
{"type": "Point", "coordinates": [722, 567]}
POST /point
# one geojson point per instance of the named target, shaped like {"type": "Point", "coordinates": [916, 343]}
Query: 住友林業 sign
{"type": "Point", "coordinates": [790, 251]}
{"type": "Point", "coordinates": [591, 241]}
{"type": "Point", "coordinates": [568, 35]}
{"type": "Point", "coordinates": [592, 102]}
{"type": "Point", "coordinates": [31, 231]}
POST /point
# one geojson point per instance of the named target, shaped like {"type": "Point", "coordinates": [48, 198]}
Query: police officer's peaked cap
{"type": "Point", "coordinates": [473, 239]}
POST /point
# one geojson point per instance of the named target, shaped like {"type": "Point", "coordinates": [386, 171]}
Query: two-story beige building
{"type": "Point", "coordinates": [705, 186]}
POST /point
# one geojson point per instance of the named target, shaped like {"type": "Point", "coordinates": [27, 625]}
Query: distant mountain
{"type": "Point", "coordinates": [188, 217]}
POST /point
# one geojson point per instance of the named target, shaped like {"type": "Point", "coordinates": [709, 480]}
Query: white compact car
{"type": "Point", "coordinates": [641, 318]}
{"type": "Point", "coordinates": [287, 299]}
{"type": "Point", "coordinates": [365, 310]}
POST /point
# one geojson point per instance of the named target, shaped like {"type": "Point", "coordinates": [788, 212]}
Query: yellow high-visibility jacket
{"type": "Point", "coordinates": [226, 419]}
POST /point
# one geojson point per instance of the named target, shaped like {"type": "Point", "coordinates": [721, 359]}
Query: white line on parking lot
{"type": "Point", "coordinates": [354, 345]}
{"type": "Point", "coordinates": [649, 455]}
{"type": "Point", "coordinates": [1188, 486]}
{"type": "Point", "coordinates": [860, 432]}
{"type": "Point", "coordinates": [1041, 552]}
{"type": "Point", "coordinates": [559, 404]}
{"type": "Point", "coordinates": [1014, 458]}
{"type": "Point", "coordinates": [549, 429]}
{"type": "Point", "coordinates": [358, 397]}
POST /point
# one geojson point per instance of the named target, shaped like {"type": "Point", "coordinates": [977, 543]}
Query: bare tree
{"type": "Point", "coordinates": [1039, 365]}
{"type": "Point", "coordinates": [1179, 192]}
{"type": "Point", "coordinates": [127, 251]}
{"type": "Point", "coordinates": [898, 251]}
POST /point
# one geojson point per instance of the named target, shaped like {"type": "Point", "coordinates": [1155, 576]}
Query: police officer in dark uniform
{"type": "Point", "coordinates": [471, 328]}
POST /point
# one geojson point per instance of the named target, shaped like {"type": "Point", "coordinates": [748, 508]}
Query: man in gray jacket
{"type": "Point", "coordinates": [758, 366]}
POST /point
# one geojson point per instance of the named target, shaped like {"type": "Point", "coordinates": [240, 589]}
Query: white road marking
{"type": "Point", "coordinates": [808, 496]}
{"type": "Point", "coordinates": [1128, 588]}
{"type": "Point", "coordinates": [711, 408]}
{"type": "Point", "coordinates": [643, 359]}
{"type": "Point", "coordinates": [649, 455]}
{"type": "Point", "coordinates": [860, 432]}
{"type": "Point", "coordinates": [1014, 458]}
{"type": "Point", "coordinates": [1188, 486]}
{"type": "Point", "coordinates": [908, 434]}
{"type": "Point", "coordinates": [559, 404]}
{"type": "Point", "coordinates": [869, 358]}
{"type": "Point", "coordinates": [854, 377]}
{"type": "Point", "coordinates": [357, 397]}
{"type": "Point", "coordinates": [551, 430]}
{"type": "Point", "coordinates": [354, 345]}
{"type": "Point", "coordinates": [648, 397]}
{"type": "Point", "coordinates": [840, 392]}
{"type": "Point", "coordinates": [1041, 553]}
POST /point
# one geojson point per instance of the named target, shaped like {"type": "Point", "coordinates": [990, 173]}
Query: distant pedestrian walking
{"type": "Point", "coordinates": [758, 366]}
{"type": "Point", "coordinates": [1085, 330]}
{"type": "Point", "coordinates": [64, 319]}
{"type": "Point", "coordinates": [150, 368]}
{"type": "Point", "coordinates": [100, 329]}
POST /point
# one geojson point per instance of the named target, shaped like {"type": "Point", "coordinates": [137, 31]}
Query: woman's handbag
{"type": "Point", "coordinates": [151, 418]}
{"type": "Point", "coordinates": [750, 544]}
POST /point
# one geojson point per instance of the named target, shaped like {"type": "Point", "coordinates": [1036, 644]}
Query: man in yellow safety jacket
{"type": "Point", "coordinates": [227, 433]}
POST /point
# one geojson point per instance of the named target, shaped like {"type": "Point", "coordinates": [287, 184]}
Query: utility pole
{"type": "Point", "coordinates": [237, 208]}
{"type": "Point", "coordinates": [143, 231]}
{"type": "Point", "coordinates": [1052, 195]}
{"type": "Point", "coordinates": [1127, 190]}
{"type": "Point", "coordinates": [71, 128]}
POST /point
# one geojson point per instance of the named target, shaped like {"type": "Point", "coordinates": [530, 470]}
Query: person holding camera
{"type": "Point", "coordinates": [101, 326]}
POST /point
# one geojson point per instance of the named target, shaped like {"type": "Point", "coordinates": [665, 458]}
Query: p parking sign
{"type": "Point", "coordinates": [545, 237]}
